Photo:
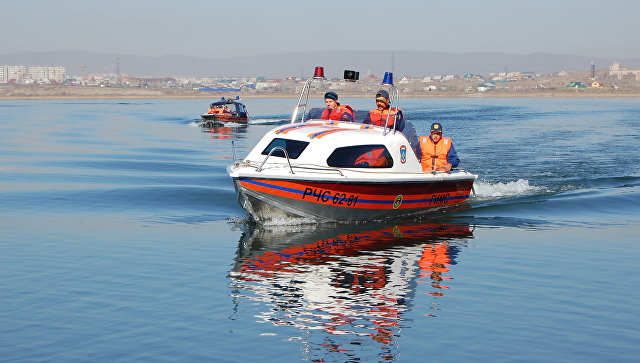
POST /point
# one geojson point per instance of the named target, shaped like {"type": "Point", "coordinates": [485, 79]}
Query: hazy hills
{"type": "Point", "coordinates": [404, 63]}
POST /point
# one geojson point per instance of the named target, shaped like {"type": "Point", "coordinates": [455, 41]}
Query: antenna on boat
{"type": "Point", "coordinates": [395, 99]}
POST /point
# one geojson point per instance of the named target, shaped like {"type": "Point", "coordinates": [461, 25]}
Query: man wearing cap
{"type": "Point", "coordinates": [378, 116]}
{"type": "Point", "coordinates": [335, 111]}
{"type": "Point", "coordinates": [438, 153]}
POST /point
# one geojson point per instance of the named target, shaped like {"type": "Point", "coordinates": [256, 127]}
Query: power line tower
{"type": "Point", "coordinates": [118, 70]}
{"type": "Point", "coordinates": [393, 63]}
{"type": "Point", "coordinates": [83, 69]}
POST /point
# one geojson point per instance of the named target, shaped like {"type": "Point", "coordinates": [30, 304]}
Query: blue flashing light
{"type": "Point", "coordinates": [388, 79]}
{"type": "Point", "coordinates": [222, 99]}
{"type": "Point", "coordinates": [237, 97]}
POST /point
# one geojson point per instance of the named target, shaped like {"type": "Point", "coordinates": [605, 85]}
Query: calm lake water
{"type": "Point", "coordinates": [121, 240]}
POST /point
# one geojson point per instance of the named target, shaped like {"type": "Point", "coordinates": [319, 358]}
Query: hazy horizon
{"type": "Point", "coordinates": [280, 65]}
{"type": "Point", "coordinates": [255, 28]}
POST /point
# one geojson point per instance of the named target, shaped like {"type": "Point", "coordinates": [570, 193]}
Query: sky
{"type": "Point", "coordinates": [225, 29]}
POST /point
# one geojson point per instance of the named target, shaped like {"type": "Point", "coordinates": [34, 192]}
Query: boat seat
{"type": "Point", "coordinates": [315, 113]}
{"type": "Point", "coordinates": [360, 115]}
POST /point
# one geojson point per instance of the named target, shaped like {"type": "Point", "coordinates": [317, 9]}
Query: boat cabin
{"type": "Point", "coordinates": [235, 106]}
{"type": "Point", "coordinates": [336, 144]}
{"type": "Point", "coordinates": [341, 170]}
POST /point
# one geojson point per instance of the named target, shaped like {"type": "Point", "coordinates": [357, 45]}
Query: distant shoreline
{"type": "Point", "coordinates": [11, 92]}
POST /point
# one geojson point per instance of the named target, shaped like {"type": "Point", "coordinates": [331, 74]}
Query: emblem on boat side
{"type": "Point", "coordinates": [403, 154]}
{"type": "Point", "coordinates": [397, 232]}
{"type": "Point", "coordinates": [397, 202]}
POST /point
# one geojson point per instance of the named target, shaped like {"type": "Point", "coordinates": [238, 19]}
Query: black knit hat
{"type": "Point", "coordinates": [331, 96]}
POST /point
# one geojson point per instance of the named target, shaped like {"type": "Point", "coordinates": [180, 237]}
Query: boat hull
{"type": "Point", "coordinates": [267, 199]}
{"type": "Point", "coordinates": [219, 120]}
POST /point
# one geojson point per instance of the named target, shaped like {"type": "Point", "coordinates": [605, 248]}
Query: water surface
{"type": "Point", "coordinates": [121, 240]}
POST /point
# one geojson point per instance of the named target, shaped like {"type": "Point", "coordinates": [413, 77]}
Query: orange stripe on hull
{"type": "Point", "coordinates": [286, 129]}
{"type": "Point", "coordinates": [319, 135]}
{"type": "Point", "coordinates": [400, 196]}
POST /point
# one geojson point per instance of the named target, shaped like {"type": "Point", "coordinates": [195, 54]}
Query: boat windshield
{"type": "Point", "coordinates": [294, 148]}
{"type": "Point", "coordinates": [240, 107]}
{"type": "Point", "coordinates": [361, 156]}
{"type": "Point", "coordinates": [316, 113]}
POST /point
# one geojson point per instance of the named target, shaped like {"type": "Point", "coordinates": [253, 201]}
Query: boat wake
{"type": "Point", "coordinates": [598, 201]}
{"type": "Point", "coordinates": [288, 222]}
{"type": "Point", "coordinates": [267, 121]}
{"type": "Point", "coordinates": [520, 187]}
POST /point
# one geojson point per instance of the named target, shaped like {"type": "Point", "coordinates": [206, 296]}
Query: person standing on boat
{"type": "Point", "coordinates": [335, 111]}
{"type": "Point", "coordinates": [438, 153]}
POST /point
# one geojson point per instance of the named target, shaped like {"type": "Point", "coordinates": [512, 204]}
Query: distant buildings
{"type": "Point", "coordinates": [623, 77]}
{"type": "Point", "coordinates": [575, 84]}
{"type": "Point", "coordinates": [43, 74]}
{"type": "Point", "coordinates": [47, 74]}
{"type": "Point", "coordinates": [486, 86]}
{"type": "Point", "coordinates": [12, 74]}
{"type": "Point", "coordinates": [619, 71]}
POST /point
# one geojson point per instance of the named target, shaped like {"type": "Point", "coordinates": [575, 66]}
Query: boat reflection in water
{"type": "Point", "coordinates": [227, 132]}
{"type": "Point", "coordinates": [346, 292]}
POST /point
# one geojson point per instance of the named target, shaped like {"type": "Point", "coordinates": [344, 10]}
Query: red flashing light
{"type": "Point", "coordinates": [319, 72]}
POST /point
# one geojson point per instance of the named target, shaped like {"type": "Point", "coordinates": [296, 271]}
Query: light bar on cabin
{"type": "Point", "coordinates": [319, 72]}
{"type": "Point", "coordinates": [388, 79]}
{"type": "Point", "coordinates": [351, 76]}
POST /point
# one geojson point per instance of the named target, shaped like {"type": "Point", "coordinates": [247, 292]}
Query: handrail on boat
{"type": "Point", "coordinates": [259, 169]}
{"type": "Point", "coordinates": [393, 102]}
{"type": "Point", "coordinates": [327, 169]}
{"type": "Point", "coordinates": [307, 87]}
{"type": "Point", "coordinates": [395, 96]}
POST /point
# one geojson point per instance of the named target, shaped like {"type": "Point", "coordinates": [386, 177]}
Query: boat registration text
{"type": "Point", "coordinates": [327, 196]}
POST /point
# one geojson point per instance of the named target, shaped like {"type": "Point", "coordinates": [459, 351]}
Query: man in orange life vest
{"type": "Point", "coordinates": [335, 111]}
{"type": "Point", "coordinates": [438, 153]}
{"type": "Point", "coordinates": [378, 116]}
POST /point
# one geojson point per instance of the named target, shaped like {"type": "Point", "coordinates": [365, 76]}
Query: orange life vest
{"type": "Point", "coordinates": [211, 111]}
{"type": "Point", "coordinates": [336, 113]}
{"type": "Point", "coordinates": [434, 264]}
{"type": "Point", "coordinates": [435, 259]}
{"type": "Point", "coordinates": [380, 117]}
{"type": "Point", "coordinates": [434, 156]}
{"type": "Point", "coordinates": [373, 157]}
